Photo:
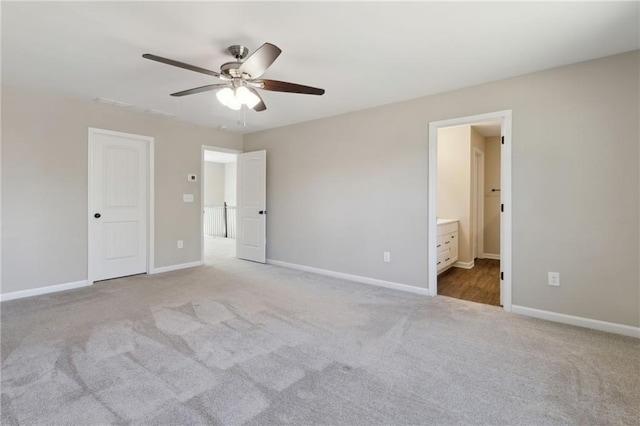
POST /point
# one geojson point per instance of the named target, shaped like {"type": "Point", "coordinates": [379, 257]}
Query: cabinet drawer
{"type": "Point", "coordinates": [447, 240]}
{"type": "Point", "coordinates": [447, 250]}
{"type": "Point", "coordinates": [447, 228]}
{"type": "Point", "coordinates": [440, 244]}
{"type": "Point", "coordinates": [453, 243]}
{"type": "Point", "coordinates": [441, 262]}
{"type": "Point", "coordinates": [446, 245]}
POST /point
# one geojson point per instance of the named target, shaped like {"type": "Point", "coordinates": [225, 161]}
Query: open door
{"type": "Point", "coordinates": [251, 206]}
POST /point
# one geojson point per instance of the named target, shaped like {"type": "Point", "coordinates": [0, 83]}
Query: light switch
{"type": "Point", "coordinates": [192, 178]}
{"type": "Point", "coordinates": [187, 198]}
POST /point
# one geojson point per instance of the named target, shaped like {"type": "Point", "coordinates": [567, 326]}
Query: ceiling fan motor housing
{"type": "Point", "coordinates": [238, 51]}
{"type": "Point", "coordinates": [231, 70]}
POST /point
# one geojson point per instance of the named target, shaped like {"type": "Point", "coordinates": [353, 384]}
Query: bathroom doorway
{"type": "Point", "coordinates": [469, 238]}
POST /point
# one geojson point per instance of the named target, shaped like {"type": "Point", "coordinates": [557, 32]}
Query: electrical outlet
{"type": "Point", "coordinates": [180, 244]}
{"type": "Point", "coordinates": [387, 256]}
{"type": "Point", "coordinates": [554, 279]}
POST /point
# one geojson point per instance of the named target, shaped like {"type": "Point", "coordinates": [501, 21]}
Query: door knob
{"type": "Point", "coordinates": [97, 215]}
{"type": "Point", "coordinates": [262, 212]}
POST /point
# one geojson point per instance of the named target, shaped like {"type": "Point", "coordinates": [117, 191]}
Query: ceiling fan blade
{"type": "Point", "coordinates": [258, 62]}
{"type": "Point", "coordinates": [283, 86]}
{"type": "Point", "coordinates": [201, 89]}
{"type": "Point", "coordinates": [260, 106]}
{"type": "Point", "coordinates": [180, 65]}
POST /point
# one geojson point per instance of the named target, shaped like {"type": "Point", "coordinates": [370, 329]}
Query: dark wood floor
{"type": "Point", "coordinates": [479, 284]}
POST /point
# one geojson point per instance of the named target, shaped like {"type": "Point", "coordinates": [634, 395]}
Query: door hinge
{"type": "Point", "coordinates": [502, 208]}
{"type": "Point", "coordinates": [503, 140]}
{"type": "Point", "coordinates": [502, 276]}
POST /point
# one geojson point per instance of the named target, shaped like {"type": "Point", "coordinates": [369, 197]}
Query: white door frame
{"type": "Point", "coordinates": [505, 117]}
{"type": "Point", "coordinates": [150, 197]}
{"type": "Point", "coordinates": [207, 148]}
{"type": "Point", "coordinates": [478, 188]}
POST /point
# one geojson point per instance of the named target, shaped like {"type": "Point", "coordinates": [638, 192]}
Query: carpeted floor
{"type": "Point", "coordinates": [237, 342]}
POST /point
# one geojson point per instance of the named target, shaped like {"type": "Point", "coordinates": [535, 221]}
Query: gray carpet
{"type": "Point", "coordinates": [236, 342]}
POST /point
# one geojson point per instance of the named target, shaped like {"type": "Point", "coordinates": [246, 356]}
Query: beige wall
{"type": "Point", "coordinates": [454, 189]}
{"type": "Point", "coordinates": [214, 183]}
{"type": "Point", "coordinates": [492, 199]}
{"type": "Point", "coordinates": [477, 142]}
{"type": "Point", "coordinates": [44, 184]}
{"type": "Point", "coordinates": [344, 189]}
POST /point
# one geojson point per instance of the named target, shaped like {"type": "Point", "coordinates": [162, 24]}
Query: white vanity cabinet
{"type": "Point", "coordinates": [447, 243]}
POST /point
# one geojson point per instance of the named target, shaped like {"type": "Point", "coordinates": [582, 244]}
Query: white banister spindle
{"type": "Point", "coordinates": [214, 221]}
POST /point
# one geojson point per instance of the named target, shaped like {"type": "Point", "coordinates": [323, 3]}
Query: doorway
{"type": "Point", "coordinates": [463, 193]}
{"type": "Point", "coordinates": [219, 203]}
{"type": "Point", "coordinates": [120, 204]}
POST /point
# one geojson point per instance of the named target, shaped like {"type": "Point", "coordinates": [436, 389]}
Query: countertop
{"type": "Point", "coordinates": [445, 221]}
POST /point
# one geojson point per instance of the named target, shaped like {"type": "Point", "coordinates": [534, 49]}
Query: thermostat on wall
{"type": "Point", "coordinates": [192, 178]}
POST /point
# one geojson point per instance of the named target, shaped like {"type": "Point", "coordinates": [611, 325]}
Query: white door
{"type": "Point", "coordinates": [117, 204]}
{"type": "Point", "coordinates": [251, 206]}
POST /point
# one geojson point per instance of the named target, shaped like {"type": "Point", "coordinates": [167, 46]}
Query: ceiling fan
{"type": "Point", "coordinates": [242, 77]}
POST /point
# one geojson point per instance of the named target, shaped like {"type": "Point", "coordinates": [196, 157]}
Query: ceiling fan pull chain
{"type": "Point", "coordinates": [244, 115]}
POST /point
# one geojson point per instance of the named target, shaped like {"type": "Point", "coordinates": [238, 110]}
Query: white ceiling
{"type": "Point", "coordinates": [363, 54]}
{"type": "Point", "coordinates": [488, 129]}
{"type": "Point", "coordinates": [219, 157]}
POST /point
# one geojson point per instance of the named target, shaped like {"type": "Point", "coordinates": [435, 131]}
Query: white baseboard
{"type": "Point", "coordinates": [356, 278]}
{"type": "Point", "coordinates": [490, 256]}
{"type": "Point", "coordinates": [170, 268]}
{"type": "Point", "coordinates": [84, 283]}
{"type": "Point", "coordinates": [610, 327]}
{"type": "Point", "coordinates": [43, 290]}
{"type": "Point", "coordinates": [465, 265]}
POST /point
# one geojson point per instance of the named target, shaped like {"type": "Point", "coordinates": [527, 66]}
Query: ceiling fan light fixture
{"type": "Point", "coordinates": [225, 96]}
{"type": "Point", "coordinates": [228, 98]}
{"type": "Point", "coordinates": [235, 98]}
{"type": "Point", "coordinates": [234, 104]}
{"type": "Point", "coordinates": [247, 97]}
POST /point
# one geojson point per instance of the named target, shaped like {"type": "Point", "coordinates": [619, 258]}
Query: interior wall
{"type": "Point", "coordinates": [44, 184]}
{"type": "Point", "coordinates": [454, 189]}
{"type": "Point", "coordinates": [214, 183]}
{"type": "Point", "coordinates": [492, 199]}
{"type": "Point", "coordinates": [477, 142]}
{"type": "Point", "coordinates": [342, 190]}
{"type": "Point", "coordinates": [230, 173]}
